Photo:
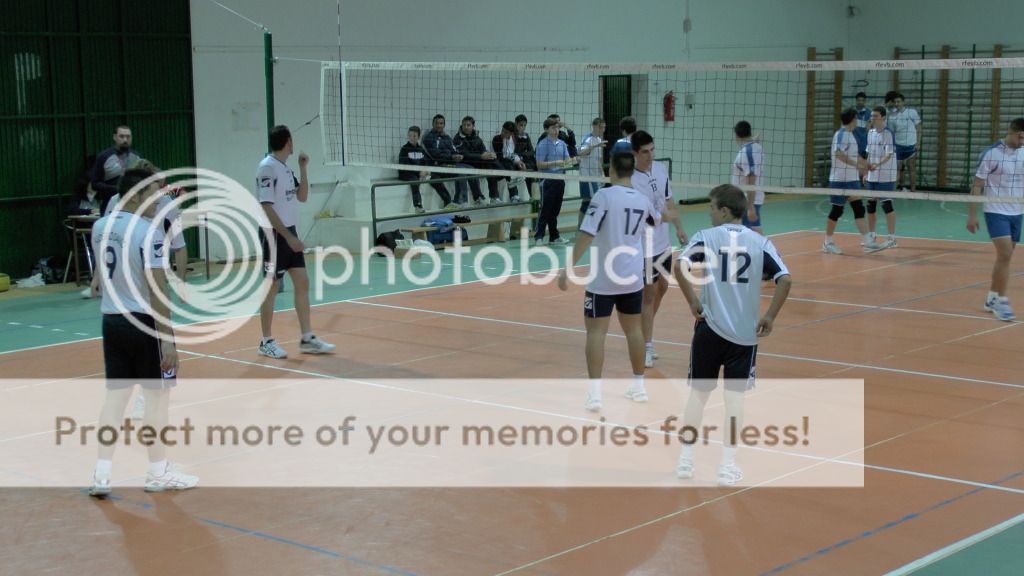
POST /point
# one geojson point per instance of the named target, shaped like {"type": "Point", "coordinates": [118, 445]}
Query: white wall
{"type": "Point", "coordinates": [228, 55]}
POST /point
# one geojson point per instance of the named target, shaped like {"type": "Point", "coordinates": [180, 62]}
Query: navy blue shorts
{"type": "Point", "coordinates": [132, 356]}
{"type": "Point", "coordinates": [651, 272]}
{"type": "Point", "coordinates": [1001, 226]}
{"type": "Point", "coordinates": [905, 152]}
{"type": "Point", "coordinates": [601, 305]}
{"type": "Point", "coordinates": [841, 200]}
{"type": "Point", "coordinates": [710, 353]}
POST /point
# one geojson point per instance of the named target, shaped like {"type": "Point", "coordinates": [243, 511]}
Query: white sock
{"type": "Point", "coordinates": [104, 467]}
{"type": "Point", "coordinates": [307, 336]}
{"type": "Point", "coordinates": [157, 468]}
{"type": "Point", "coordinates": [595, 387]}
{"type": "Point", "coordinates": [991, 296]}
{"type": "Point", "coordinates": [638, 381]}
{"type": "Point", "coordinates": [867, 237]}
{"type": "Point", "coordinates": [649, 345]}
{"type": "Point", "coordinates": [828, 239]}
{"type": "Point", "coordinates": [892, 237]}
{"type": "Point", "coordinates": [687, 451]}
{"type": "Point", "coordinates": [728, 455]}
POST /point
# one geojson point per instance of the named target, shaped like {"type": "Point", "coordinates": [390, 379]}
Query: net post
{"type": "Point", "coordinates": [943, 147]}
{"type": "Point", "coordinates": [812, 55]}
{"type": "Point", "coordinates": [268, 73]}
{"type": "Point", "coordinates": [997, 81]}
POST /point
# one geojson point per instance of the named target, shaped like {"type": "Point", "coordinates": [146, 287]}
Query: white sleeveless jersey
{"type": "Point", "coordinates": [655, 185]}
{"type": "Point", "coordinates": [736, 259]}
{"type": "Point", "coordinates": [126, 245]}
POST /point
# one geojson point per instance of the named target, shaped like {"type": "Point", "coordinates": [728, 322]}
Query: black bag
{"type": "Point", "coordinates": [50, 268]}
{"type": "Point", "coordinates": [389, 240]}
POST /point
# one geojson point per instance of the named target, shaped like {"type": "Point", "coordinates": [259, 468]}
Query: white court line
{"type": "Point", "coordinates": [986, 316]}
{"type": "Point", "coordinates": [684, 345]}
{"type": "Point", "coordinates": [956, 547]}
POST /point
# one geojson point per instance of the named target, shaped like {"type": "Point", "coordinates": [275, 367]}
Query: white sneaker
{"type": "Point", "coordinates": [1001, 309]}
{"type": "Point", "coordinates": [100, 486]}
{"type": "Point", "coordinates": [560, 241]}
{"type": "Point", "coordinates": [684, 468]}
{"type": "Point", "coordinates": [593, 403]}
{"type": "Point", "coordinates": [316, 346]}
{"type": "Point", "coordinates": [636, 393]}
{"type": "Point", "coordinates": [481, 202]}
{"type": "Point", "coordinates": [830, 248]}
{"type": "Point", "coordinates": [514, 199]}
{"type": "Point", "coordinates": [990, 303]}
{"type": "Point", "coordinates": [272, 349]}
{"type": "Point", "coordinates": [729, 474]}
{"type": "Point", "coordinates": [87, 293]}
{"type": "Point", "coordinates": [172, 479]}
{"type": "Point", "coordinates": [871, 237]}
{"type": "Point", "coordinates": [539, 241]}
{"type": "Point", "coordinates": [139, 407]}
{"type": "Point", "coordinates": [891, 241]}
{"type": "Point", "coordinates": [654, 353]}
{"type": "Point", "coordinates": [649, 358]}
{"type": "Point", "coordinates": [874, 247]}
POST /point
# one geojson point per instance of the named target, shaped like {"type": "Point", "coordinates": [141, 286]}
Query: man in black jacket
{"type": "Point", "coordinates": [475, 154]}
{"type": "Point", "coordinates": [441, 150]}
{"type": "Point", "coordinates": [525, 150]}
{"type": "Point", "coordinates": [504, 146]}
{"type": "Point", "coordinates": [111, 164]}
{"type": "Point", "coordinates": [412, 154]}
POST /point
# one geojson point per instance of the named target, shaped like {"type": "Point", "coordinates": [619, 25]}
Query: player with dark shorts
{"type": "Point", "coordinates": [280, 193]}
{"type": "Point", "coordinates": [727, 312]}
{"type": "Point", "coordinates": [614, 224]}
{"type": "Point", "coordinates": [138, 341]}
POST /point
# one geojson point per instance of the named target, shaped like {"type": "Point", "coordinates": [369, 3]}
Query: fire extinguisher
{"type": "Point", "coordinates": [669, 104]}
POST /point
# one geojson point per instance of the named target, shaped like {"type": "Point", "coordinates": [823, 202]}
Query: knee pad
{"type": "Point", "coordinates": [835, 214]}
{"type": "Point", "coordinates": [872, 206]}
{"type": "Point", "coordinates": [887, 206]}
{"type": "Point", "coordinates": [858, 208]}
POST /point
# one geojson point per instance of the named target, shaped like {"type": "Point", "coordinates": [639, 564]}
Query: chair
{"type": "Point", "coordinates": [79, 229]}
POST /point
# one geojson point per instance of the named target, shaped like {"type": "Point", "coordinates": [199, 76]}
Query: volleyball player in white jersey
{"type": "Point", "coordinates": [132, 266]}
{"type": "Point", "coordinates": [729, 321]}
{"type": "Point", "coordinates": [747, 169]}
{"type": "Point", "coordinates": [280, 193]}
{"type": "Point", "coordinates": [844, 175]}
{"type": "Point", "coordinates": [651, 178]}
{"type": "Point", "coordinates": [614, 223]}
{"type": "Point", "coordinates": [881, 149]}
{"type": "Point", "coordinates": [1000, 174]}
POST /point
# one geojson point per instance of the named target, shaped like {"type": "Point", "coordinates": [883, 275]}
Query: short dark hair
{"type": "Point", "coordinates": [554, 116]}
{"type": "Point", "coordinates": [742, 129]}
{"type": "Point", "coordinates": [436, 116]}
{"type": "Point", "coordinates": [509, 127]}
{"type": "Point", "coordinates": [597, 121]}
{"type": "Point", "coordinates": [415, 129]}
{"type": "Point", "coordinates": [623, 163]}
{"type": "Point", "coordinates": [549, 122]}
{"type": "Point", "coordinates": [1017, 124]}
{"type": "Point", "coordinates": [900, 96]}
{"type": "Point", "coordinates": [126, 185]}
{"type": "Point", "coordinates": [891, 95]}
{"type": "Point", "coordinates": [861, 95]}
{"type": "Point", "coordinates": [847, 116]}
{"type": "Point", "coordinates": [627, 124]}
{"type": "Point", "coordinates": [125, 126]}
{"type": "Point", "coordinates": [279, 137]}
{"type": "Point", "coordinates": [731, 197]}
{"type": "Point", "coordinates": [639, 139]}
{"type": "Point", "coordinates": [521, 118]}
{"type": "Point", "coordinates": [470, 118]}
{"type": "Point", "coordinates": [881, 111]}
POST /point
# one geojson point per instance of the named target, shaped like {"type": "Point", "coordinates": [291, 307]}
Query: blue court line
{"type": "Point", "coordinates": [271, 537]}
{"type": "Point", "coordinates": [869, 533]}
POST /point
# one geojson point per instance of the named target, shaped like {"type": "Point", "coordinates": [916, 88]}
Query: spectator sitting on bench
{"type": "Point", "coordinates": [504, 146]}
{"type": "Point", "coordinates": [441, 151]}
{"type": "Point", "coordinates": [475, 154]}
{"type": "Point", "coordinates": [412, 154]}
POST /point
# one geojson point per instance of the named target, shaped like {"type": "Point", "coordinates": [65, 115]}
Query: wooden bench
{"type": "Point", "coordinates": [495, 228]}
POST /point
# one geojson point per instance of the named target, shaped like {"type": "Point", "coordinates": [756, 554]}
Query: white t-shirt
{"type": "Point", "coordinates": [590, 165]}
{"type": "Point", "coordinates": [844, 142]}
{"type": "Point", "coordinates": [1002, 169]}
{"type": "Point", "coordinates": [617, 219]}
{"type": "Point", "coordinates": [655, 185]}
{"type": "Point", "coordinates": [737, 258]}
{"type": "Point", "coordinates": [172, 220]}
{"type": "Point", "coordinates": [125, 245]}
{"type": "Point", "coordinates": [277, 185]}
{"type": "Point", "coordinates": [749, 161]}
{"type": "Point", "coordinates": [904, 124]}
{"type": "Point", "coordinates": [880, 145]}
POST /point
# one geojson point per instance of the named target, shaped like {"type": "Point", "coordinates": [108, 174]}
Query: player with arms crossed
{"type": "Point", "coordinates": [1000, 174]}
{"type": "Point", "coordinates": [651, 179]}
{"type": "Point", "coordinates": [133, 274]}
{"type": "Point", "coordinates": [728, 315]}
{"type": "Point", "coordinates": [614, 223]}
